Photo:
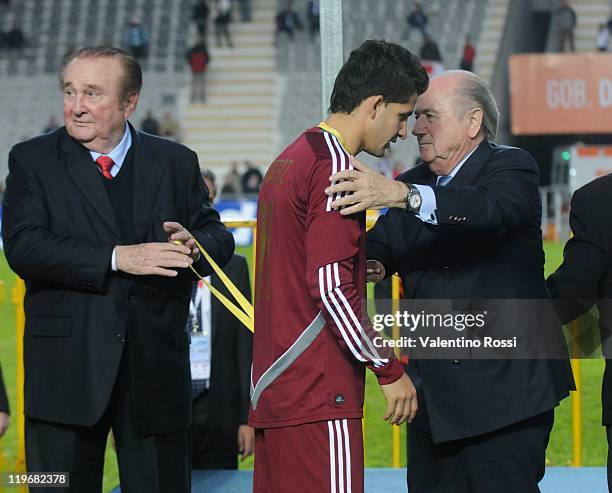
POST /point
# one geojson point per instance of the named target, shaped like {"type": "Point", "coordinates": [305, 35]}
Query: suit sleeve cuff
{"type": "Point", "coordinates": [427, 213]}
{"type": "Point", "coordinates": [389, 373]}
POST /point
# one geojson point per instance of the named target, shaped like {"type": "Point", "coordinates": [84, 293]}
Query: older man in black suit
{"type": "Point", "coordinates": [585, 278]}
{"type": "Point", "coordinates": [465, 224]}
{"type": "Point", "coordinates": [98, 220]}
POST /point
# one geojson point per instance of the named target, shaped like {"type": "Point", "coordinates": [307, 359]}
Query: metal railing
{"type": "Point", "coordinates": [555, 201]}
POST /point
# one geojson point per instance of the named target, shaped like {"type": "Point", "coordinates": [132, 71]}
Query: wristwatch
{"type": "Point", "coordinates": [412, 200]}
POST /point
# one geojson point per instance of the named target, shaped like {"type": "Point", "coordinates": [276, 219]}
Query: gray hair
{"type": "Point", "coordinates": [474, 91]}
{"type": "Point", "coordinates": [131, 80]}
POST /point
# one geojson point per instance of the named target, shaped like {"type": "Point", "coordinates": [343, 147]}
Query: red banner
{"type": "Point", "coordinates": [561, 93]}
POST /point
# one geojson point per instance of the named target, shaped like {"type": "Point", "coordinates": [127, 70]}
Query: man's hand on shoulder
{"type": "Point", "coordinates": [401, 399]}
{"type": "Point", "coordinates": [365, 189]}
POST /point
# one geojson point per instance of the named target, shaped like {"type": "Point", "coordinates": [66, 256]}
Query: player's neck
{"type": "Point", "coordinates": [347, 127]}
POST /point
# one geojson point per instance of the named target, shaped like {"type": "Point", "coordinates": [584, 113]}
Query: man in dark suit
{"type": "Point", "coordinates": [4, 408]}
{"type": "Point", "coordinates": [465, 224]}
{"type": "Point", "coordinates": [221, 396]}
{"type": "Point", "coordinates": [98, 220]}
{"type": "Point", "coordinates": [585, 279]}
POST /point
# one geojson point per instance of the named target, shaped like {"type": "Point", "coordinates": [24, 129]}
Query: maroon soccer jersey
{"type": "Point", "coordinates": [311, 342]}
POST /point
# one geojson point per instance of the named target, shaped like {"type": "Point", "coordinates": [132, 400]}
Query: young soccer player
{"type": "Point", "coordinates": [312, 341]}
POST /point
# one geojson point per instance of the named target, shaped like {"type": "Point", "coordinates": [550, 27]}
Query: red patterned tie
{"type": "Point", "coordinates": [105, 164]}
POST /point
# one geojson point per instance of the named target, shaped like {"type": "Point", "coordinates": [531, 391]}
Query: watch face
{"type": "Point", "coordinates": [415, 201]}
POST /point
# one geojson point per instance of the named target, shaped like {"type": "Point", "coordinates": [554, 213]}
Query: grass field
{"type": "Point", "coordinates": [378, 433]}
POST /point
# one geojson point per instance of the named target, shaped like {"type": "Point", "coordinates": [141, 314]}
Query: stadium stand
{"type": "Point", "coordinates": [492, 32]}
{"type": "Point", "coordinates": [589, 13]}
{"type": "Point", "coordinates": [238, 120]}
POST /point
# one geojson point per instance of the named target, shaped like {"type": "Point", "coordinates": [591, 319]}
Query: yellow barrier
{"type": "Point", "coordinates": [576, 401]}
{"type": "Point", "coordinates": [18, 296]}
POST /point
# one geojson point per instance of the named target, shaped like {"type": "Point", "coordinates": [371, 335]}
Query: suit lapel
{"type": "Point", "coordinates": [148, 171]}
{"type": "Point", "coordinates": [82, 170]}
{"type": "Point", "coordinates": [470, 170]}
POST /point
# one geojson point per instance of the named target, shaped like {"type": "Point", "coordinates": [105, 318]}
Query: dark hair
{"type": "Point", "coordinates": [378, 68]}
{"type": "Point", "coordinates": [132, 73]}
{"type": "Point", "coordinates": [208, 175]}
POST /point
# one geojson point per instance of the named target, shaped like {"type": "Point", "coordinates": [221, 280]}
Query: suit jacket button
{"type": "Point", "coordinates": [456, 362]}
{"type": "Point", "coordinates": [339, 399]}
{"type": "Point", "coordinates": [121, 337]}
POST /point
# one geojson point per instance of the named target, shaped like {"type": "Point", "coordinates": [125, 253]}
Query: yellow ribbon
{"type": "Point", "coordinates": [245, 313]}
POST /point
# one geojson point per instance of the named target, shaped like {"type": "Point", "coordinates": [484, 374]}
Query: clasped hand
{"type": "Point", "coordinates": [161, 259]}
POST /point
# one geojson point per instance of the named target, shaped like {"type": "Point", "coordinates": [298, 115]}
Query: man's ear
{"type": "Point", "coordinates": [373, 105]}
{"type": "Point", "coordinates": [129, 105]}
{"type": "Point", "coordinates": [474, 119]}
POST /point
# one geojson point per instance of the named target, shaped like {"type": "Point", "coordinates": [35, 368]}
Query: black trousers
{"type": "Point", "coordinates": [147, 464]}
{"type": "Point", "coordinates": [214, 442]}
{"type": "Point", "coordinates": [509, 460]}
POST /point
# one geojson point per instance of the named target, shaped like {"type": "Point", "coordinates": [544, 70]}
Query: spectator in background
{"type": "Point", "coordinates": [312, 11]}
{"type": "Point", "coordinates": [14, 39]}
{"type": "Point", "coordinates": [223, 16]}
{"type": "Point", "coordinates": [245, 10]}
{"type": "Point", "coordinates": [199, 15]}
{"type": "Point", "coordinates": [198, 59]}
{"type": "Point", "coordinates": [169, 127]}
{"type": "Point", "coordinates": [232, 184]}
{"type": "Point", "coordinates": [416, 20]}
{"type": "Point", "coordinates": [429, 50]}
{"type": "Point", "coordinates": [51, 125]}
{"type": "Point", "coordinates": [4, 404]}
{"type": "Point", "coordinates": [221, 357]}
{"type": "Point", "coordinates": [150, 124]}
{"type": "Point", "coordinates": [228, 187]}
{"type": "Point", "coordinates": [469, 53]}
{"type": "Point", "coordinates": [566, 22]}
{"type": "Point", "coordinates": [251, 180]}
{"type": "Point", "coordinates": [287, 21]}
{"type": "Point", "coordinates": [136, 39]}
{"type": "Point", "coordinates": [603, 37]}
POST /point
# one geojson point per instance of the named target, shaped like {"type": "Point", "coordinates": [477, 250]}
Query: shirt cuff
{"type": "Point", "coordinates": [389, 373]}
{"type": "Point", "coordinates": [113, 262]}
{"type": "Point", "coordinates": [427, 213]}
